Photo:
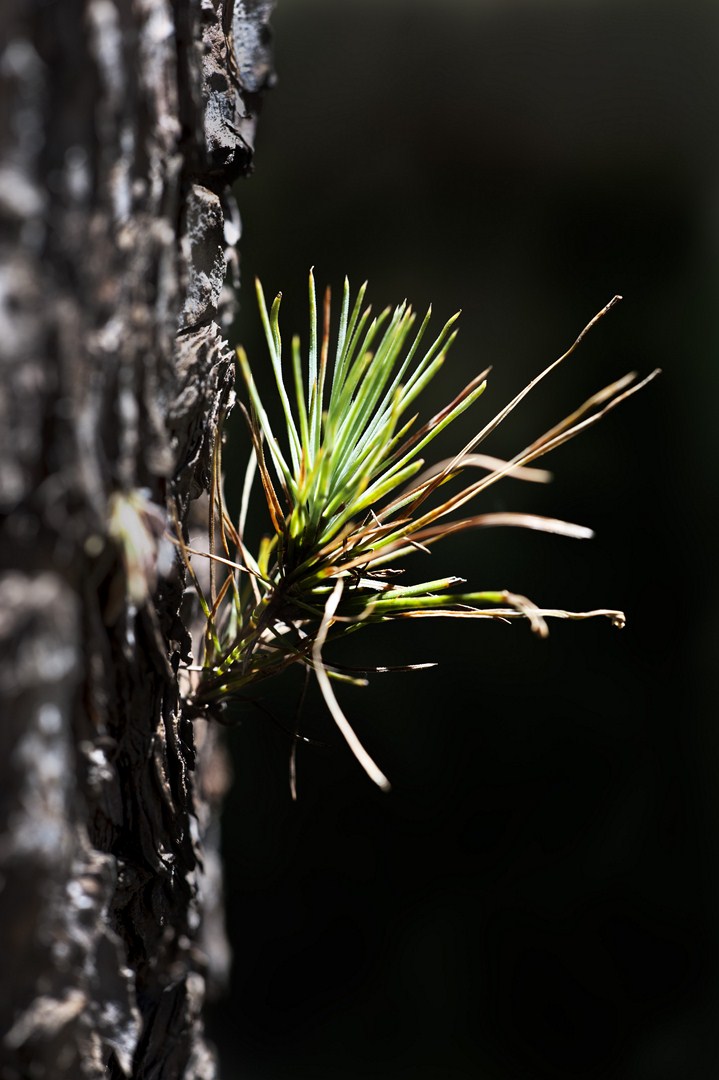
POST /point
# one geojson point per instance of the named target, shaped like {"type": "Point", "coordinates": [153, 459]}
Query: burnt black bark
{"type": "Point", "coordinates": [122, 126]}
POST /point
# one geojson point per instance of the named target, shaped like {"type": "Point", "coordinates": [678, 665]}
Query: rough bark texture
{"type": "Point", "coordinates": [122, 124]}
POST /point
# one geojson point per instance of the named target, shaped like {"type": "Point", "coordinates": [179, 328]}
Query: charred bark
{"type": "Point", "coordinates": [121, 128]}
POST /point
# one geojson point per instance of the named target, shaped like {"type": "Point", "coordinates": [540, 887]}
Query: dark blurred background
{"type": "Point", "coordinates": [537, 897]}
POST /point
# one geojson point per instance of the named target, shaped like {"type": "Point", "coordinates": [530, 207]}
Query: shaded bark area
{"type": "Point", "coordinates": [123, 124]}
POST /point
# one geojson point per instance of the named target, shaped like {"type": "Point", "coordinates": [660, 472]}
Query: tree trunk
{"type": "Point", "coordinates": [121, 126]}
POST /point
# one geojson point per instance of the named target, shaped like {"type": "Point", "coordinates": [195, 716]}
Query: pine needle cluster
{"type": "Point", "coordinates": [349, 496]}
